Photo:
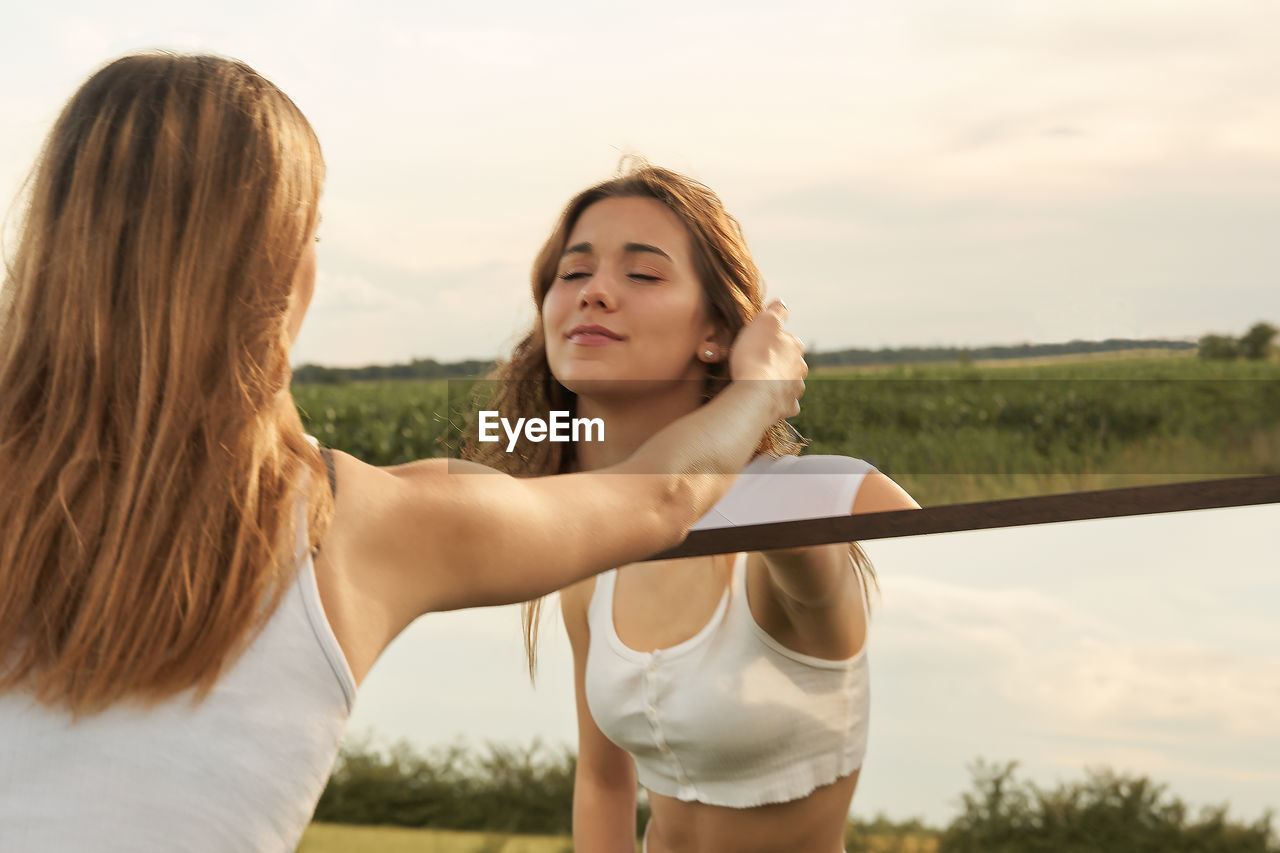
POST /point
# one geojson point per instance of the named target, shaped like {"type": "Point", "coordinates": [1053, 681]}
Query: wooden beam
{"type": "Point", "coordinates": [986, 515]}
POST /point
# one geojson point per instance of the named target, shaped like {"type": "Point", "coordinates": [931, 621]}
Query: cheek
{"type": "Point", "coordinates": [553, 313]}
{"type": "Point", "coordinates": [687, 321]}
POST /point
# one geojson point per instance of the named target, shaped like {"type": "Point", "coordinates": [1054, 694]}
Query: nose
{"type": "Point", "coordinates": [598, 291]}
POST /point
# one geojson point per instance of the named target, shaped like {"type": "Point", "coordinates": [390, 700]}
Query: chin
{"type": "Point", "coordinates": [601, 380]}
{"type": "Point", "coordinates": [585, 385]}
{"type": "Point", "coordinates": [569, 370]}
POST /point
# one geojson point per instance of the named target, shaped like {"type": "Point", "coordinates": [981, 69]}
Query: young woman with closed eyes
{"type": "Point", "coordinates": [734, 689]}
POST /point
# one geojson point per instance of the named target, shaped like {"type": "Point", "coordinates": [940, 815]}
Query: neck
{"type": "Point", "coordinates": [629, 421]}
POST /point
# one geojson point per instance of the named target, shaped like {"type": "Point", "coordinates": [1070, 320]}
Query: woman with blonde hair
{"type": "Point", "coordinates": [734, 689]}
{"type": "Point", "coordinates": [192, 590]}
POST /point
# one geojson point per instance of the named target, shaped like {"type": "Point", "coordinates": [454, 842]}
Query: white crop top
{"type": "Point", "coordinates": [731, 717]}
{"type": "Point", "coordinates": [242, 770]}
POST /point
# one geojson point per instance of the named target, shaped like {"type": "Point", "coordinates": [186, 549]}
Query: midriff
{"type": "Point", "coordinates": [814, 823]}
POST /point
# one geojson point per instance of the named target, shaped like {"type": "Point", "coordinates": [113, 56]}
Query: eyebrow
{"type": "Point", "coordinates": [587, 248]}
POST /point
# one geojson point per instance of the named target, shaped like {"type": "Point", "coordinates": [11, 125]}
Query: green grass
{"type": "Point", "coordinates": [951, 434]}
{"type": "Point", "coordinates": [947, 433]}
{"type": "Point", "coordinates": [338, 838]}
{"type": "Point", "coordinates": [383, 423]}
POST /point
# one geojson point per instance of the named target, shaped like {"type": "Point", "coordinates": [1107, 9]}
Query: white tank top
{"type": "Point", "coordinates": [241, 771]}
{"type": "Point", "coordinates": [731, 717]}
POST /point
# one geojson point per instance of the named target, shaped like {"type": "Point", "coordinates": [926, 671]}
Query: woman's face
{"type": "Point", "coordinates": [626, 303]}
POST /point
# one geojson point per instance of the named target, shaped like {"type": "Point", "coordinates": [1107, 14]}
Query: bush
{"type": "Point", "coordinates": [1256, 343]}
{"type": "Point", "coordinates": [1218, 348]}
{"type": "Point", "coordinates": [530, 790]}
{"type": "Point", "coordinates": [1105, 812]}
{"type": "Point", "coordinates": [508, 789]}
{"type": "Point", "coordinates": [883, 835]}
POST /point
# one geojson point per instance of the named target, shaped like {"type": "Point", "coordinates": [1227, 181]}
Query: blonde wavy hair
{"type": "Point", "coordinates": [153, 463]}
{"type": "Point", "coordinates": [524, 386]}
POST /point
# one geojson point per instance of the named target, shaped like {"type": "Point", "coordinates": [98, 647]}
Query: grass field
{"type": "Point", "coordinates": [998, 363]}
{"type": "Point", "coordinates": [336, 838]}
{"type": "Point", "coordinates": [947, 433]}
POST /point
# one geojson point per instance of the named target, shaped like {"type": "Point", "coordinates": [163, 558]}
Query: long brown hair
{"type": "Point", "coordinates": [524, 385]}
{"type": "Point", "coordinates": [150, 454]}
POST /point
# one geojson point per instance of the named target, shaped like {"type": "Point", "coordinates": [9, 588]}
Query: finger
{"type": "Point", "coordinates": [779, 308]}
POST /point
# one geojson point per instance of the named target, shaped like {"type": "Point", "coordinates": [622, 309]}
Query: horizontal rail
{"type": "Point", "coordinates": [985, 515]}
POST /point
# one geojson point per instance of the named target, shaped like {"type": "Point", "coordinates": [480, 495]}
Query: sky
{"type": "Point", "coordinates": [907, 174]}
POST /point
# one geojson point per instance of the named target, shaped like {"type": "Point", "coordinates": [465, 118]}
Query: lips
{"type": "Point", "coordinates": [593, 335]}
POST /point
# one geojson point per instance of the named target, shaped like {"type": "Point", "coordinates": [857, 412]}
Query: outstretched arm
{"type": "Point", "coordinates": [444, 534]}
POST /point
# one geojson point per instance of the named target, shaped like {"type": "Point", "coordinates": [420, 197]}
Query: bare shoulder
{"type": "Point", "coordinates": [366, 501]}
{"type": "Point", "coordinates": [356, 589]}
{"type": "Point", "coordinates": [383, 520]}
{"type": "Point", "coordinates": [361, 489]}
{"type": "Point", "coordinates": [878, 493]}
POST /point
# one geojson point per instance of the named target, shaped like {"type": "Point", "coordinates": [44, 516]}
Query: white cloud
{"type": "Point", "coordinates": [347, 293]}
{"type": "Point", "coordinates": [992, 619]}
{"type": "Point", "coordinates": [1092, 686]}
{"type": "Point", "coordinates": [1161, 764]}
{"type": "Point", "coordinates": [1064, 672]}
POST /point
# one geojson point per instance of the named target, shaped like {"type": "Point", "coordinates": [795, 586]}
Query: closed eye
{"type": "Point", "coordinates": [575, 276]}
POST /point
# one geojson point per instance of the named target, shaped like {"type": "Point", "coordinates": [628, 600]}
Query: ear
{"type": "Point", "coordinates": [716, 340]}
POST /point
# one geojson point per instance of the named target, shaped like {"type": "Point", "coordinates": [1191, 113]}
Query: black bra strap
{"type": "Point", "coordinates": [328, 465]}
{"type": "Point", "coordinates": [327, 455]}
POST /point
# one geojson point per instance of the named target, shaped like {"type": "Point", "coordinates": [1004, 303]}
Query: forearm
{"type": "Point", "coordinates": [604, 818]}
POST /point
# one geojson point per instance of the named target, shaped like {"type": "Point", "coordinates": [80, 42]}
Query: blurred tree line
{"type": "Point", "coordinates": [1105, 812]}
{"type": "Point", "coordinates": [428, 368]}
{"type": "Point", "coordinates": [1254, 345]}
{"type": "Point", "coordinates": [503, 788]}
{"type": "Point", "coordinates": [530, 790]}
{"type": "Point", "coordinates": [967, 355]}
{"type": "Point", "coordinates": [419, 368]}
